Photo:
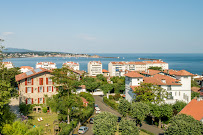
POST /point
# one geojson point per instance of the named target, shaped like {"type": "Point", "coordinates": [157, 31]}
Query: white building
{"type": "Point", "coordinates": [71, 64]}
{"type": "Point", "coordinates": [118, 68]}
{"type": "Point", "coordinates": [177, 84]}
{"type": "Point", "coordinates": [7, 65]}
{"type": "Point", "coordinates": [94, 68]}
{"type": "Point", "coordinates": [46, 65]}
{"type": "Point", "coordinates": [24, 69]}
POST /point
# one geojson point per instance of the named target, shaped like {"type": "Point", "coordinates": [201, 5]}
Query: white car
{"type": "Point", "coordinates": [97, 110]}
{"type": "Point", "coordinates": [82, 130]}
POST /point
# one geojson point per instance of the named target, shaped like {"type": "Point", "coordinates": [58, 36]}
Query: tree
{"type": "Point", "coordinates": [105, 124]}
{"type": "Point", "coordinates": [128, 127]}
{"type": "Point", "coordinates": [139, 111]}
{"type": "Point", "coordinates": [106, 87]}
{"type": "Point", "coordinates": [123, 107]}
{"type": "Point", "coordinates": [178, 106]}
{"type": "Point", "coordinates": [90, 83]}
{"type": "Point", "coordinates": [159, 111]}
{"type": "Point", "coordinates": [183, 124]}
{"type": "Point", "coordinates": [194, 94]}
{"type": "Point", "coordinates": [194, 83]}
{"type": "Point", "coordinates": [156, 68]}
{"type": "Point", "coordinates": [101, 78]}
{"type": "Point", "coordinates": [147, 92]}
{"type": "Point", "coordinates": [66, 80]}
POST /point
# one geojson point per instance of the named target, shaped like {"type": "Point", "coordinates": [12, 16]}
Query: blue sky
{"type": "Point", "coordinates": [103, 26]}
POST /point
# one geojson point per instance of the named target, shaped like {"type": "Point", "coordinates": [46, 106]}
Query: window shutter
{"type": "Point", "coordinates": [43, 100]}
{"type": "Point", "coordinates": [43, 89]}
{"type": "Point", "coordinates": [52, 89]}
{"type": "Point", "coordinates": [32, 100]}
{"type": "Point", "coordinates": [38, 100]}
{"type": "Point", "coordinates": [25, 81]}
{"type": "Point", "coordinates": [26, 90]}
{"type": "Point", "coordinates": [32, 81]}
{"type": "Point", "coordinates": [47, 81]}
{"type": "Point", "coordinates": [26, 101]}
{"type": "Point", "coordinates": [38, 89]}
{"type": "Point", "coordinates": [32, 89]}
{"type": "Point", "coordinates": [47, 89]}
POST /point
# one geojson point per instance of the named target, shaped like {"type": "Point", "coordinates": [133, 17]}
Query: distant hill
{"type": "Point", "coordinates": [17, 50]}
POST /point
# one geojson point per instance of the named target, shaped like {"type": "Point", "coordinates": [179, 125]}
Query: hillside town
{"type": "Point", "coordinates": [150, 81]}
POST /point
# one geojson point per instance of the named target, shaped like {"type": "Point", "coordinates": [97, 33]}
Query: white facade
{"type": "Point", "coordinates": [180, 91]}
{"type": "Point", "coordinates": [115, 68]}
{"type": "Point", "coordinates": [8, 65]}
{"type": "Point", "coordinates": [73, 65]}
{"type": "Point", "coordinates": [46, 65]}
{"type": "Point", "coordinates": [24, 69]}
{"type": "Point", "coordinates": [94, 68]}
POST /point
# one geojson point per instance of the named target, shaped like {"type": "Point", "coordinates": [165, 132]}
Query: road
{"type": "Point", "coordinates": [103, 107]}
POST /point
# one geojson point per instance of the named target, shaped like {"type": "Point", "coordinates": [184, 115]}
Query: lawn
{"type": "Point", "coordinates": [47, 118]}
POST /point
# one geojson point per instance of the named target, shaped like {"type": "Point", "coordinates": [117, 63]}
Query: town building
{"type": "Point", "coordinates": [71, 64]}
{"type": "Point", "coordinates": [8, 65]}
{"type": "Point", "coordinates": [94, 68]}
{"type": "Point", "coordinates": [24, 69]}
{"type": "Point", "coordinates": [176, 83]}
{"type": "Point", "coordinates": [194, 109]}
{"type": "Point", "coordinates": [46, 65]}
{"type": "Point", "coordinates": [105, 72]}
{"type": "Point", "coordinates": [119, 68]}
{"type": "Point", "coordinates": [34, 85]}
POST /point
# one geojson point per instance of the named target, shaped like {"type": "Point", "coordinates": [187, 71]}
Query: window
{"type": "Point", "coordinates": [40, 89]}
{"type": "Point", "coordinates": [49, 88]}
{"type": "Point", "coordinates": [29, 80]}
{"type": "Point", "coordinates": [40, 100]}
{"type": "Point", "coordinates": [29, 100]}
{"type": "Point", "coordinates": [29, 89]}
{"type": "Point", "coordinates": [49, 80]}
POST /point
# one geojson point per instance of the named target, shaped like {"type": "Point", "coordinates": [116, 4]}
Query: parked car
{"type": "Point", "coordinates": [91, 121]}
{"type": "Point", "coordinates": [82, 130]}
{"type": "Point", "coordinates": [95, 105]}
{"type": "Point", "coordinates": [97, 110]}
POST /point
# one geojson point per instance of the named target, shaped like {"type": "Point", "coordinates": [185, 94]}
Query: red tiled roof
{"type": "Point", "coordinates": [70, 62]}
{"type": "Point", "coordinates": [200, 79]}
{"type": "Point", "coordinates": [194, 109]}
{"type": "Point", "coordinates": [178, 73]}
{"type": "Point", "coordinates": [8, 62]}
{"type": "Point", "coordinates": [24, 75]}
{"type": "Point", "coordinates": [195, 89]}
{"type": "Point", "coordinates": [28, 67]}
{"type": "Point", "coordinates": [97, 62]}
{"type": "Point", "coordinates": [42, 63]}
{"type": "Point", "coordinates": [105, 71]}
{"type": "Point", "coordinates": [134, 74]}
{"type": "Point", "coordinates": [84, 100]}
{"type": "Point", "coordinates": [151, 72]}
{"type": "Point", "coordinates": [153, 62]}
{"type": "Point", "coordinates": [135, 63]}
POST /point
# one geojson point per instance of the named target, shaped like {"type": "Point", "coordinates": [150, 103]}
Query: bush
{"type": "Point", "coordinates": [87, 96]}
{"type": "Point", "coordinates": [111, 103]}
{"type": "Point", "coordinates": [25, 109]}
{"type": "Point", "coordinates": [116, 97]}
{"type": "Point", "coordinates": [67, 128]}
{"type": "Point", "coordinates": [44, 109]}
{"type": "Point", "coordinates": [110, 97]}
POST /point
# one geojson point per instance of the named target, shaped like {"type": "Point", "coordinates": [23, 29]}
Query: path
{"type": "Point", "coordinates": [14, 104]}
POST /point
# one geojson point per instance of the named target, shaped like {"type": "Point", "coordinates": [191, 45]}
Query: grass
{"type": "Point", "coordinates": [47, 118]}
{"type": "Point", "coordinates": [143, 133]}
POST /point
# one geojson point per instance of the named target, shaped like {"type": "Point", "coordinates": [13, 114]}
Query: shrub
{"type": "Point", "coordinates": [116, 97]}
{"type": "Point", "coordinates": [25, 109]}
{"type": "Point", "coordinates": [111, 103]}
{"type": "Point", "coordinates": [44, 109]}
{"type": "Point", "coordinates": [87, 96]}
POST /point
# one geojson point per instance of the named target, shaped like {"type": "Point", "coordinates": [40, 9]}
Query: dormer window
{"type": "Point", "coordinates": [163, 81]}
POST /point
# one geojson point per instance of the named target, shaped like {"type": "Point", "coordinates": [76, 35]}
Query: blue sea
{"type": "Point", "coordinates": [190, 62]}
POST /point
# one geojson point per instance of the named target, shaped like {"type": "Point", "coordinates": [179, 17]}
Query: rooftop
{"type": "Point", "coordinates": [134, 74]}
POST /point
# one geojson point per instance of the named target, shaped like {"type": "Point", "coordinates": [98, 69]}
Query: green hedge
{"type": "Point", "coordinates": [111, 103]}
{"type": "Point", "coordinates": [146, 131]}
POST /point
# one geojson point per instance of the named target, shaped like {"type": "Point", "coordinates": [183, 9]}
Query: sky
{"type": "Point", "coordinates": [103, 26]}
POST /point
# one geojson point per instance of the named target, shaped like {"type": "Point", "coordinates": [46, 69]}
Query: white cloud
{"type": "Point", "coordinates": [7, 33]}
{"type": "Point", "coordinates": [87, 37]}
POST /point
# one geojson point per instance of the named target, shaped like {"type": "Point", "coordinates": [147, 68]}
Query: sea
{"type": "Point", "coordinates": [177, 61]}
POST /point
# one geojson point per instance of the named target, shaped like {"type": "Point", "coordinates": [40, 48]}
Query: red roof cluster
{"type": "Point", "coordinates": [70, 62]}
{"type": "Point", "coordinates": [194, 109]}
{"type": "Point", "coordinates": [134, 74]}
{"type": "Point", "coordinates": [97, 62]}
{"type": "Point", "coordinates": [178, 73]}
{"type": "Point", "coordinates": [150, 72]}
{"type": "Point", "coordinates": [42, 63]}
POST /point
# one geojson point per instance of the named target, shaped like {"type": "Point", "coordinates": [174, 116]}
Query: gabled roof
{"type": "Point", "coordinates": [194, 109]}
{"type": "Point", "coordinates": [195, 89]}
{"type": "Point", "coordinates": [105, 71]}
{"type": "Point", "coordinates": [28, 67]}
{"type": "Point", "coordinates": [150, 72]}
{"type": "Point", "coordinates": [134, 74]}
{"type": "Point", "coordinates": [178, 73]}
{"type": "Point", "coordinates": [31, 73]}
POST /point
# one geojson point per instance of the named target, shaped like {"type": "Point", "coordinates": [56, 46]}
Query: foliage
{"type": "Point", "coordinates": [139, 111]}
{"type": "Point", "coordinates": [147, 92]}
{"type": "Point", "coordinates": [156, 68]}
{"type": "Point", "coordinates": [105, 124]}
{"type": "Point", "coordinates": [178, 106]}
{"type": "Point", "coordinates": [184, 125]}
{"type": "Point", "coordinates": [90, 83]}
{"type": "Point", "coordinates": [118, 84]}
{"type": "Point", "coordinates": [87, 96]}
{"type": "Point", "coordinates": [111, 103]}
{"type": "Point", "coordinates": [128, 127]}
{"type": "Point", "coordinates": [101, 78]}
{"type": "Point", "coordinates": [146, 131]}
{"type": "Point", "coordinates": [44, 109]}
{"type": "Point", "coordinates": [66, 129]}
{"type": "Point", "coordinates": [160, 111]}
{"type": "Point", "coordinates": [106, 87]}
{"type": "Point", "coordinates": [21, 128]}
{"type": "Point", "coordinates": [25, 109]}
{"type": "Point", "coordinates": [116, 97]}
{"type": "Point", "coordinates": [123, 107]}
{"type": "Point", "coordinates": [194, 94]}
{"type": "Point", "coordinates": [194, 83]}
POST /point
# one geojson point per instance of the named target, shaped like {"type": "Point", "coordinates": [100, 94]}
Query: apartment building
{"type": "Point", "coordinates": [34, 85]}
{"type": "Point", "coordinates": [46, 65]}
{"type": "Point", "coordinates": [7, 65]}
{"type": "Point", "coordinates": [94, 68]}
{"type": "Point", "coordinates": [119, 68]}
{"type": "Point", "coordinates": [24, 69]}
{"type": "Point", "coordinates": [71, 64]}
{"type": "Point", "coordinates": [177, 84]}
